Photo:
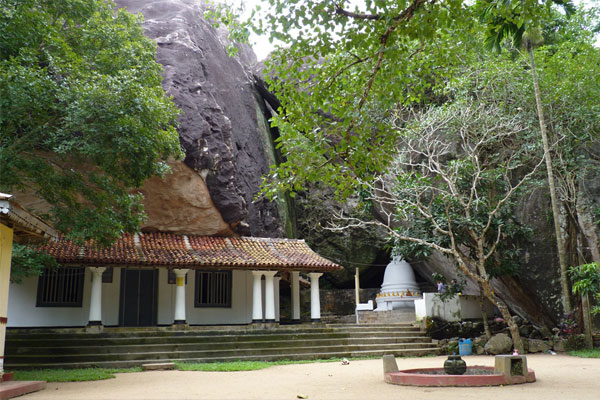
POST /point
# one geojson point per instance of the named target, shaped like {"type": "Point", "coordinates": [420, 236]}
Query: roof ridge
{"type": "Point", "coordinates": [138, 246]}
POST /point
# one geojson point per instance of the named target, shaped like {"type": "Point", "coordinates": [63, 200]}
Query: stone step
{"type": "Point", "coordinates": [164, 355]}
{"type": "Point", "coordinates": [59, 341]}
{"type": "Point", "coordinates": [172, 346]}
{"type": "Point", "coordinates": [118, 346]}
{"type": "Point", "coordinates": [265, 357]}
{"type": "Point", "coordinates": [80, 333]}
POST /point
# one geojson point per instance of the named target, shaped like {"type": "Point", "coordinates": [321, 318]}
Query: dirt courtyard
{"type": "Point", "coordinates": [558, 377]}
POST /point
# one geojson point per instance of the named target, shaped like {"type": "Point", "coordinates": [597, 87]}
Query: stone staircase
{"type": "Point", "coordinates": [128, 347]}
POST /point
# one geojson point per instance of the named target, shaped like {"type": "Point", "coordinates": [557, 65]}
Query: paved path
{"type": "Point", "coordinates": [558, 377]}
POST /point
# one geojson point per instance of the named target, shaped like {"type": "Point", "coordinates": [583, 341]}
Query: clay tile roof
{"type": "Point", "coordinates": [172, 250]}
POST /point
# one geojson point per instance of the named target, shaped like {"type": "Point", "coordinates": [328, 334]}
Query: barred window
{"type": "Point", "coordinates": [60, 287]}
{"type": "Point", "coordinates": [213, 289]}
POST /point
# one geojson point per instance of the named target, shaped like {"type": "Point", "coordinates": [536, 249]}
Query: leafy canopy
{"type": "Point", "coordinates": [344, 66]}
{"type": "Point", "coordinates": [83, 117]}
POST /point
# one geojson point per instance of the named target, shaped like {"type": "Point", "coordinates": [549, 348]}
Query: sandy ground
{"type": "Point", "coordinates": [558, 377]}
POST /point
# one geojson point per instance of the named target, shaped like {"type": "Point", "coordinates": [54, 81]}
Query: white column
{"type": "Point", "coordinates": [96, 296]}
{"type": "Point", "coordinates": [257, 314]}
{"type": "Point", "coordinates": [269, 296]}
{"type": "Point", "coordinates": [295, 277]}
{"type": "Point", "coordinates": [179, 315]}
{"type": "Point", "coordinates": [315, 301]}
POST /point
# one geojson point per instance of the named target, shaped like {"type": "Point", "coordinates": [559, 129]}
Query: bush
{"type": "Point", "coordinates": [575, 342]}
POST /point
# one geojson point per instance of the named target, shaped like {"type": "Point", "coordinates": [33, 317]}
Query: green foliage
{"type": "Point", "coordinates": [71, 375]}
{"type": "Point", "coordinates": [339, 77]}
{"type": "Point", "coordinates": [83, 117]}
{"type": "Point", "coordinates": [586, 281]}
{"type": "Point", "coordinates": [575, 342]}
{"type": "Point", "coordinates": [224, 14]}
{"type": "Point", "coordinates": [456, 179]}
{"type": "Point", "coordinates": [452, 289]}
{"type": "Point", "coordinates": [343, 68]}
{"type": "Point", "coordinates": [586, 353]}
{"type": "Point", "coordinates": [28, 262]}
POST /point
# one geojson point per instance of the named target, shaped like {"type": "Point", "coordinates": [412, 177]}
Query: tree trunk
{"type": "Point", "coordinates": [503, 308]}
{"type": "Point", "coordinates": [587, 321]}
{"type": "Point", "coordinates": [564, 282]}
{"type": "Point", "coordinates": [513, 328]}
{"type": "Point", "coordinates": [486, 326]}
{"type": "Point", "coordinates": [588, 226]}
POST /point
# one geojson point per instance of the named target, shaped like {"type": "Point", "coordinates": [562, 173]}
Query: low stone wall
{"type": "Point", "coordinates": [386, 317]}
{"type": "Point", "coordinates": [337, 301]}
{"type": "Point", "coordinates": [336, 304]}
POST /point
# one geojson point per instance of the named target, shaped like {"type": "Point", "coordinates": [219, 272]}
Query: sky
{"type": "Point", "coordinates": [261, 44]}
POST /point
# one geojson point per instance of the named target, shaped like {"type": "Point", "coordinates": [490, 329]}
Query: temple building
{"type": "Point", "coordinates": [157, 279]}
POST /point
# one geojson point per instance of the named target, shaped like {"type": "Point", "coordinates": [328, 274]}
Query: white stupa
{"type": "Point", "coordinates": [399, 289]}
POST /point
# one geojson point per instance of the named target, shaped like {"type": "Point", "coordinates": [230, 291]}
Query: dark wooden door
{"type": "Point", "coordinates": [139, 295]}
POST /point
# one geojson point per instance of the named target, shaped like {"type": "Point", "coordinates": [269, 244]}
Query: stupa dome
{"type": "Point", "coordinates": [399, 288]}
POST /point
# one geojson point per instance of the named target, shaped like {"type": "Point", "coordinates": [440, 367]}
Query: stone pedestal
{"type": "Point", "coordinates": [512, 367]}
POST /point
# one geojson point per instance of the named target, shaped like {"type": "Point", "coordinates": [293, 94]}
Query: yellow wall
{"type": "Point", "coordinates": [6, 238]}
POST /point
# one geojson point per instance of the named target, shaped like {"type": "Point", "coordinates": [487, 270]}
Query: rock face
{"type": "Point", "coordinates": [538, 346]}
{"type": "Point", "coordinates": [180, 202]}
{"type": "Point", "coordinates": [521, 299]}
{"type": "Point", "coordinates": [223, 129]}
{"type": "Point", "coordinates": [499, 344]}
{"type": "Point", "coordinates": [350, 248]}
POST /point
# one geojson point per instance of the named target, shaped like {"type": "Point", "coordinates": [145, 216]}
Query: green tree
{"type": "Point", "coordinates": [83, 117]}
{"type": "Point", "coordinates": [342, 68]}
{"type": "Point", "coordinates": [586, 283]}
{"type": "Point", "coordinates": [508, 24]}
{"type": "Point", "coordinates": [451, 189]}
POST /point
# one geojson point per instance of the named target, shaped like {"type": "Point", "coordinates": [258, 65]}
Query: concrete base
{"type": "Point", "coordinates": [10, 389]}
{"type": "Point", "coordinates": [386, 317]}
{"type": "Point", "coordinates": [433, 377]}
{"type": "Point", "coordinates": [7, 376]}
{"type": "Point", "coordinates": [94, 328]}
{"type": "Point", "coordinates": [264, 325]}
{"type": "Point", "coordinates": [158, 366]}
{"type": "Point", "coordinates": [389, 364]}
{"type": "Point", "coordinates": [512, 367]}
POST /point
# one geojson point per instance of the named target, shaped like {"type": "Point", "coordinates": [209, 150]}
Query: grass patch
{"type": "Point", "coordinates": [586, 353]}
{"type": "Point", "coordinates": [71, 375]}
{"type": "Point", "coordinates": [96, 374]}
{"type": "Point", "coordinates": [250, 365]}
{"type": "Point", "coordinates": [240, 365]}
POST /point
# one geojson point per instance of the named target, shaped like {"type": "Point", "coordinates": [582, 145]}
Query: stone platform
{"type": "Point", "coordinates": [10, 389]}
{"type": "Point", "coordinates": [399, 316]}
{"type": "Point", "coordinates": [508, 370]}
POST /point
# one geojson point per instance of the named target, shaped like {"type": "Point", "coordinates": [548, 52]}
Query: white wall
{"type": "Point", "coordinates": [460, 307]}
{"type": "Point", "coordinates": [22, 311]}
{"type": "Point", "coordinates": [239, 313]}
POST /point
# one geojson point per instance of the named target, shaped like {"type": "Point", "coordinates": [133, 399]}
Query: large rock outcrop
{"type": "Point", "coordinates": [223, 128]}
